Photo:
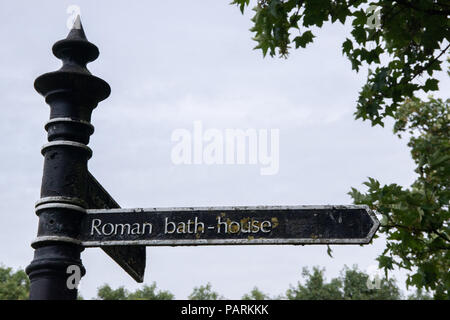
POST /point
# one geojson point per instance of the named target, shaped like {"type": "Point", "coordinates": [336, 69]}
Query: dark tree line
{"type": "Point", "coordinates": [352, 284]}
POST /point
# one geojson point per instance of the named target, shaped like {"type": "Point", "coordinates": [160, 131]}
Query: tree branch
{"type": "Point", "coordinates": [422, 69]}
{"type": "Point", "coordinates": [408, 4]}
{"type": "Point", "coordinates": [399, 226]}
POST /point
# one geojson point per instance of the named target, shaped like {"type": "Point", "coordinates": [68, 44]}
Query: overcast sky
{"type": "Point", "coordinates": [170, 63]}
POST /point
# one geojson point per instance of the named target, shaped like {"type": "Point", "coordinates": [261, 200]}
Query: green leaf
{"type": "Point", "coordinates": [431, 85]}
{"type": "Point", "coordinates": [347, 46]}
{"type": "Point", "coordinates": [360, 35]}
{"type": "Point", "coordinates": [241, 4]}
{"type": "Point", "coordinates": [304, 39]}
{"type": "Point", "coordinates": [329, 251]}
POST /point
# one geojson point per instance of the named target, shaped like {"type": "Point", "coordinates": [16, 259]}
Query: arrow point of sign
{"type": "Point", "coordinates": [375, 226]}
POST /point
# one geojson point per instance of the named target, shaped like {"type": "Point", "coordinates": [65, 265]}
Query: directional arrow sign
{"type": "Point", "coordinates": [229, 225]}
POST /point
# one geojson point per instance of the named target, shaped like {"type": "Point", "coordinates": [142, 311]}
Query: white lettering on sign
{"type": "Point", "coordinates": [245, 225]}
{"type": "Point", "coordinates": [191, 226]}
{"type": "Point", "coordinates": [109, 229]}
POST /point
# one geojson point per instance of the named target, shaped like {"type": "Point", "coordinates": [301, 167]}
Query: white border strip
{"type": "Point", "coordinates": [289, 241]}
{"type": "Point", "coordinates": [56, 120]}
{"type": "Point", "coordinates": [69, 200]}
{"type": "Point", "coordinates": [66, 143]}
{"type": "Point", "coordinates": [229, 208]}
{"type": "Point", "coordinates": [56, 239]}
{"type": "Point", "coordinates": [59, 205]}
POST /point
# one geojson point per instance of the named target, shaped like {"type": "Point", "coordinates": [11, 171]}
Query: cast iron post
{"type": "Point", "coordinates": [72, 93]}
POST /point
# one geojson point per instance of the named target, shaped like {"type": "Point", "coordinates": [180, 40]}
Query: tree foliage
{"type": "Point", "coordinates": [420, 295]}
{"type": "Point", "coordinates": [352, 284]}
{"type": "Point", "coordinates": [404, 44]}
{"type": "Point", "coordinates": [315, 287]}
{"type": "Point", "coordinates": [13, 285]}
{"type": "Point", "coordinates": [416, 219]}
{"type": "Point", "coordinates": [255, 294]}
{"type": "Point", "coordinates": [204, 293]}
{"type": "Point", "coordinates": [402, 41]}
{"type": "Point", "coordinates": [105, 292]}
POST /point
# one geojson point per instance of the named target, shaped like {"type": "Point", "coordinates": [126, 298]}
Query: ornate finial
{"type": "Point", "coordinates": [76, 41]}
{"type": "Point", "coordinates": [75, 51]}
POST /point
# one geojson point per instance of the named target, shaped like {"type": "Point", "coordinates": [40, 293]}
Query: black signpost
{"type": "Point", "coordinates": [76, 212]}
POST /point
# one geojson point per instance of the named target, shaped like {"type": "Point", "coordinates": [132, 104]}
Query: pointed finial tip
{"type": "Point", "coordinates": [77, 23]}
{"type": "Point", "coordinates": [77, 31]}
